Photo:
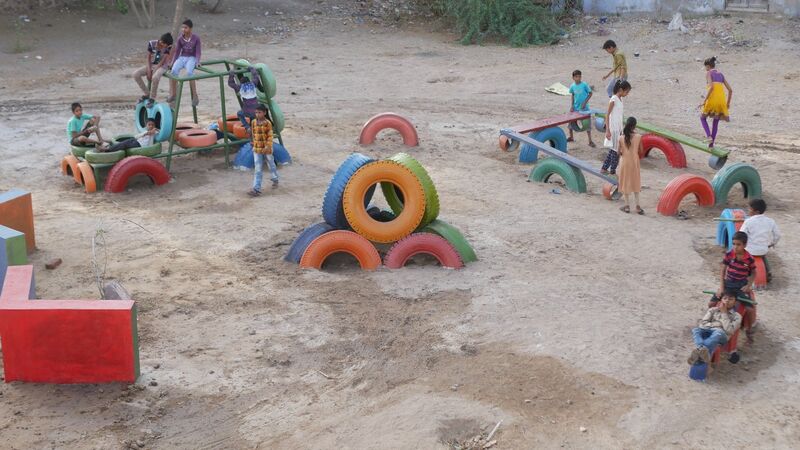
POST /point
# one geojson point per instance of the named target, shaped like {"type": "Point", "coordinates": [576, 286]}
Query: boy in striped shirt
{"type": "Point", "coordinates": [737, 275]}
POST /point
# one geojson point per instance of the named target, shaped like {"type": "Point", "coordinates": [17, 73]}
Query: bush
{"type": "Point", "coordinates": [520, 22]}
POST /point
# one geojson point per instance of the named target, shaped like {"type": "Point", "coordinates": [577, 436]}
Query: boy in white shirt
{"type": "Point", "coordinates": [762, 232]}
{"type": "Point", "coordinates": [143, 139]}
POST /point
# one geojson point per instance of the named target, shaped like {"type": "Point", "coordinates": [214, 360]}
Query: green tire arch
{"type": "Point", "coordinates": [573, 177]}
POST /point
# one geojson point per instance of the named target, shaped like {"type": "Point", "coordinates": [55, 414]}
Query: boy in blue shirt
{"type": "Point", "coordinates": [581, 93]}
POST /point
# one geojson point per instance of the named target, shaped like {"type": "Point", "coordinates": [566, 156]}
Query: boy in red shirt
{"type": "Point", "coordinates": [737, 275]}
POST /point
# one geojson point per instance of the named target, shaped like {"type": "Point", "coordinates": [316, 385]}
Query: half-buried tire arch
{"type": "Point", "coordinates": [730, 222]}
{"type": "Point", "coordinates": [673, 151]}
{"type": "Point", "coordinates": [454, 237]}
{"type": "Point", "coordinates": [729, 176]}
{"type": "Point", "coordinates": [553, 136]}
{"type": "Point", "coordinates": [680, 187]}
{"type": "Point", "coordinates": [389, 120]}
{"type": "Point", "coordinates": [87, 177]}
{"type": "Point", "coordinates": [341, 241]}
{"type": "Point", "coordinates": [572, 176]}
{"type": "Point", "coordinates": [422, 243]}
{"type": "Point", "coordinates": [304, 239]}
{"type": "Point", "coordinates": [122, 171]}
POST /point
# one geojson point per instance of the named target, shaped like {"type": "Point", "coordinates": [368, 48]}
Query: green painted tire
{"type": "Point", "coordinates": [548, 167]}
{"type": "Point", "coordinates": [149, 151]}
{"type": "Point", "coordinates": [79, 151]}
{"type": "Point", "coordinates": [122, 137]}
{"type": "Point", "coordinates": [269, 86]}
{"type": "Point", "coordinates": [454, 237]}
{"type": "Point", "coordinates": [731, 175]}
{"type": "Point", "coordinates": [276, 114]}
{"type": "Point", "coordinates": [393, 196]}
{"type": "Point", "coordinates": [94, 157]}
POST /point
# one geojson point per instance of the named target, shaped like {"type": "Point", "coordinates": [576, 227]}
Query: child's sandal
{"type": "Point", "coordinates": [626, 209]}
{"type": "Point", "coordinates": [639, 211]}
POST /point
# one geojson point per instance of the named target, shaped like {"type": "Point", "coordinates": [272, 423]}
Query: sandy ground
{"type": "Point", "coordinates": [575, 316]}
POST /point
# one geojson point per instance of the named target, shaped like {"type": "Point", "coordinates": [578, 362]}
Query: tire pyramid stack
{"type": "Point", "coordinates": [352, 226]}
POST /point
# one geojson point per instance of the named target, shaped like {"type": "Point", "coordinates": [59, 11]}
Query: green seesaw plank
{"type": "Point", "coordinates": [678, 137]}
{"type": "Point", "coordinates": [741, 299]}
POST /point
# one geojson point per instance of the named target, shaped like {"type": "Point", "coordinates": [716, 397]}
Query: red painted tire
{"type": "Point", "coordinates": [428, 243]}
{"type": "Point", "coordinates": [198, 138]}
{"type": "Point", "coordinates": [680, 187]}
{"type": "Point", "coordinates": [389, 120]}
{"type": "Point", "coordinates": [761, 273]}
{"type": "Point", "coordinates": [183, 127]}
{"type": "Point", "coordinates": [341, 241]}
{"type": "Point", "coordinates": [87, 177]}
{"type": "Point", "coordinates": [610, 191]}
{"type": "Point", "coordinates": [673, 151]}
{"type": "Point", "coordinates": [122, 171]}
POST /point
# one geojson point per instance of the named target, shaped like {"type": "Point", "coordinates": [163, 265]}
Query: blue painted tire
{"type": "Point", "coordinates": [280, 154]}
{"type": "Point", "coordinates": [726, 229]}
{"type": "Point", "coordinates": [554, 136]}
{"type": "Point", "coordinates": [140, 116]}
{"type": "Point", "coordinates": [735, 174]}
{"type": "Point", "coordinates": [332, 209]}
{"type": "Point", "coordinates": [304, 239]}
{"type": "Point", "coordinates": [162, 114]}
{"type": "Point", "coordinates": [600, 124]}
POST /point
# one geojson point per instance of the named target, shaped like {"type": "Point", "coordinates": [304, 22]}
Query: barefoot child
{"type": "Point", "coordinates": [737, 275]}
{"type": "Point", "coordinates": [261, 132]}
{"type": "Point", "coordinates": [762, 232]}
{"type": "Point", "coordinates": [620, 69]}
{"type": "Point", "coordinates": [614, 126]}
{"type": "Point", "coordinates": [630, 179]}
{"type": "Point", "coordinates": [81, 126]}
{"type": "Point", "coordinates": [581, 93]}
{"type": "Point", "coordinates": [715, 105]}
{"type": "Point", "coordinates": [154, 68]}
{"type": "Point", "coordinates": [715, 328]}
{"type": "Point", "coordinates": [143, 139]}
{"type": "Point", "coordinates": [186, 56]}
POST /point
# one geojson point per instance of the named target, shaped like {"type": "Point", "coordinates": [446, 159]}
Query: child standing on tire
{"type": "Point", "coordinates": [581, 93]}
{"type": "Point", "coordinates": [143, 139]}
{"type": "Point", "coordinates": [261, 139]}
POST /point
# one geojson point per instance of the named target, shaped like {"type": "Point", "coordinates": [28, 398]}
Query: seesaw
{"type": "Point", "coordinates": [537, 125]}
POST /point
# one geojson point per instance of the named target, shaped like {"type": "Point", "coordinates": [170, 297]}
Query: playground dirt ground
{"type": "Point", "coordinates": [572, 329]}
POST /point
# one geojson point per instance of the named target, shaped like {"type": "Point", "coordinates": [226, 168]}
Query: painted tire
{"type": "Point", "coordinates": [198, 138]}
{"type": "Point", "coordinates": [69, 166]}
{"type": "Point", "coordinates": [600, 124]}
{"type": "Point", "coordinates": [79, 151]}
{"type": "Point", "coordinates": [573, 178]}
{"type": "Point", "coordinates": [183, 127]}
{"type": "Point", "coordinates": [304, 239]}
{"type": "Point", "coordinates": [356, 195]}
{"type": "Point", "coordinates": [503, 143]}
{"type": "Point", "coordinates": [761, 273]}
{"type": "Point", "coordinates": [87, 177]}
{"type": "Point", "coordinates": [553, 136]}
{"type": "Point", "coordinates": [680, 187]}
{"type": "Point", "coordinates": [119, 175]}
{"type": "Point", "coordinates": [276, 115]}
{"type": "Point", "coordinates": [427, 243]}
{"type": "Point", "coordinates": [122, 137]}
{"type": "Point", "coordinates": [268, 83]}
{"type": "Point", "coordinates": [388, 120]}
{"type": "Point", "coordinates": [454, 237]}
{"type": "Point", "coordinates": [726, 228]}
{"type": "Point", "coordinates": [149, 151]}
{"type": "Point", "coordinates": [104, 157]}
{"type": "Point", "coordinates": [673, 151]}
{"type": "Point", "coordinates": [734, 174]}
{"type": "Point", "coordinates": [580, 126]}
{"type": "Point", "coordinates": [229, 124]}
{"type": "Point", "coordinates": [240, 132]}
{"type": "Point", "coordinates": [140, 115]}
{"type": "Point", "coordinates": [332, 209]}
{"type": "Point", "coordinates": [431, 197]}
{"type": "Point", "coordinates": [162, 114]}
{"type": "Point", "coordinates": [341, 241]}
{"type": "Point", "coordinates": [716, 162]}
{"type": "Point", "coordinates": [611, 191]}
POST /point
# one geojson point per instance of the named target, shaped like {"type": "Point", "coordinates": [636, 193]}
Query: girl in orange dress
{"type": "Point", "coordinates": [715, 105]}
{"type": "Point", "coordinates": [630, 179]}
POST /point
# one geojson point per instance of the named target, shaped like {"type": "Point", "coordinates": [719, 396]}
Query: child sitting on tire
{"type": "Point", "coordinates": [143, 139]}
{"type": "Point", "coordinates": [738, 271]}
{"type": "Point", "coordinates": [81, 126]}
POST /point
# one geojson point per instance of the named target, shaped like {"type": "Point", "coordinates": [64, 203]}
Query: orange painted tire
{"type": "Point", "coordinates": [183, 127]}
{"type": "Point", "coordinates": [610, 191]}
{"type": "Point", "coordinates": [761, 273]}
{"type": "Point", "coordinates": [240, 132]}
{"type": "Point", "coordinates": [411, 191]}
{"type": "Point", "coordinates": [680, 187]}
{"type": "Point", "coordinates": [229, 124]}
{"type": "Point", "coordinates": [69, 166]}
{"type": "Point", "coordinates": [503, 143]}
{"type": "Point", "coordinates": [389, 120]}
{"type": "Point", "coordinates": [427, 243]}
{"type": "Point", "coordinates": [341, 241]}
{"type": "Point", "coordinates": [673, 151]}
{"type": "Point", "coordinates": [198, 138]}
{"type": "Point", "coordinates": [87, 177]}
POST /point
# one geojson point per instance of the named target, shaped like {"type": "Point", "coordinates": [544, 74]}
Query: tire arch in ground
{"type": "Point", "coordinates": [454, 237]}
{"type": "Point", "coordinates": [122, 171]}
{"type": "Point", "coordinates": [388, 120]}
{"type": "Point", "coordinates": [729, 176]}
{"type": "Point", "coordinates": [341, 241]}
{"type": "Point", "coordinates": [546, 168]}
{"type": "Point", "coordinates": [304, 239]}
{"type": "Point", "coordinates": [423, 243]}
{"type": "Point", "coordinates": [553, 136]}
{"type": "Point", "coordinates": [673, 151]}
{"type": "Point", "coordinates": [87, 177]}
{"type": "Point", "coordinates": [732, 220]}
{"type": "Point", "coordinates": [680, 187]}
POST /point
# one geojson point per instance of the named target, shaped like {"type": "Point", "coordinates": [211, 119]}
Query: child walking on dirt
{"type": "Point", "coordinates": [630, 179]}
{"type": "Point", "coordinates": [81, 126]}
{"type": "Point", "coordinates": [186, 56]}
{"type": "Point", "coordinates": [143, 139]}
{"type": "Point", "coordinates": [715, 328]}
{"type": "Point", "coordinates": [581, 93]}
{"type": "Point", "coordinates": [738, 271]}
{"type": "Point", "coordinates": [762, 232]}
{"type": "Point", "coordinates": [620, 68]}
{"type": "Point", "coordinates": [246, 89]}
{"type": "Point", "coordinates": [715, 105]}
{"type": "Point", "coordinates": [261, 138]}
{"type": "Point", "coordinates": [154, 68]}
{"type": "Point", "coordinates": [614, 127]}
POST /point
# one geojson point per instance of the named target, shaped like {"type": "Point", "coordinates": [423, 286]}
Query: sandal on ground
{"type": "Point", "coordinates": [682, 215]}
{"type": "Point", "coordinates": [639, 211]}
{"type": "Point", "coordinates": [253, 193]}
{"type": "Point", "coordinates": [626, 209]}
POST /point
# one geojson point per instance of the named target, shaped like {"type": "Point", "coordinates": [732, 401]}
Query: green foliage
{"type": "Point", "coordinates": [521, 22]}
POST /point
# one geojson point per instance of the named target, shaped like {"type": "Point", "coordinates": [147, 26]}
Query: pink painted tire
{"type": "Point", "coordinates": [427, 243]}
{"type": "Point", "coordinates": [673, 151]}
{"type": "Point", "coordinates": [389, 120]}
{"type": "Point", "coordinates": [680, 187]}
{"type": "Point", "coordinates": [122, 171]}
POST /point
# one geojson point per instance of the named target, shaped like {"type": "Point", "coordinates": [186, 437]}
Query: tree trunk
{"type": "Point", "coordinates": [136, 11]}
{"type": "Point", "coordinates": [176, 22]}
{"type": "Point", "coordinates": [151, 22]}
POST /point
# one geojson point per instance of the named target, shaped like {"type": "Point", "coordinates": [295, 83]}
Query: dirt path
{"type": "Point", "coordinates": [575, 316]}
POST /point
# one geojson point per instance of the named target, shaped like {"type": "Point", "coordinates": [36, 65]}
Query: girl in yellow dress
{"type": "Point", "coordinates": [715, 105]}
